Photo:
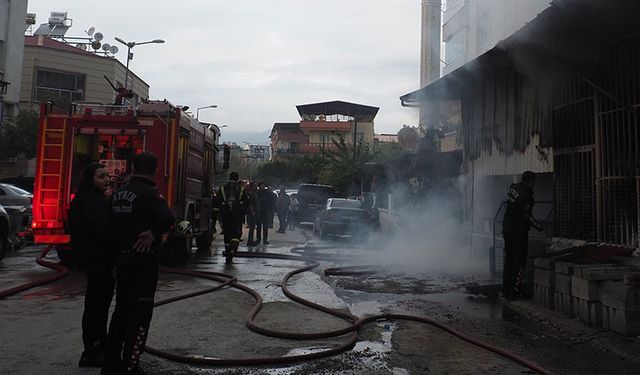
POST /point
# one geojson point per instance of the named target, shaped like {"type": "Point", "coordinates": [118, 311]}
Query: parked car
{"type": "Point", "coordinates": [343, 216]}
{"type": "Point", "coordinates": [311, 200]}
{"type": "Point", "coordinates": [20, 200]}
{"type": "Point", "coordinates": [5, 226]}
{"type": "Point", "coordinates": [23, 182]}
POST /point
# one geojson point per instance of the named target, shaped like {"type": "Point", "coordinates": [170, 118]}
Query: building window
{"type": "Point", "coordinates": [2, 59]}
{"type": "Point", "coordinates": [455, 47]}
{"type": "Point", "coordinates": [451, 3]}
{"type": "Point", "coordinates": [484, 29]}
{"type": "Point", "coordinates": [54, 85]}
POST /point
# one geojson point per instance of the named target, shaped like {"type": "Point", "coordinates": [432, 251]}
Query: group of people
{"type": "Point", "coordinates": [116, 237]}
{"type": "Point", "coordinates": [253, 203]}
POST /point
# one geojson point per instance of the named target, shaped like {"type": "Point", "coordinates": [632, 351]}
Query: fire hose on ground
{"type": "Point", "coordinates": [227, 280]}
{"type": "Point", "coordinates": [61, 272]}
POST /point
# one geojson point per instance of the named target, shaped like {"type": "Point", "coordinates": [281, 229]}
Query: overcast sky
{"type": "Point", "coordinates": [258, 59]}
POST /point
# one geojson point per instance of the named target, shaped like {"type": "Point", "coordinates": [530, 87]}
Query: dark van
{"type": "Point", "coordinates": [312, 198]}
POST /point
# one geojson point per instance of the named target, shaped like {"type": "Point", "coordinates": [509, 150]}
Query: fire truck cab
{"type": "Point", "coordinates": [113, 135]}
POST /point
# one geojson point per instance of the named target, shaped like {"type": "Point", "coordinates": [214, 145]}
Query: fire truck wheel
{"type": "Point", "coordinates": [203, 241]}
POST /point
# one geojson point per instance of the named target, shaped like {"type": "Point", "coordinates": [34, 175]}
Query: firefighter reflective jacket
{"type": "Point", "coordinates": [231, 198]}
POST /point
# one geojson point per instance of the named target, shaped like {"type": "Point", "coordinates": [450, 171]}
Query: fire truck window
{"type": "Point", "coordinates": [116, 152]}
{"type": "Point", "coordinates": [82, 155]}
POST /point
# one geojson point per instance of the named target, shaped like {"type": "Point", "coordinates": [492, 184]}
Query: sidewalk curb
{"type": "Point", "coordinates": [579, 331]}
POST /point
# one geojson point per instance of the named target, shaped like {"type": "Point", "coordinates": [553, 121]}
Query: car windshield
{"type": "Point", "coordinates": [17, 190]}
{"type": "Point", "coordinates": [346, 203]}
{"type": "Point", "coordinates": [316, 193]}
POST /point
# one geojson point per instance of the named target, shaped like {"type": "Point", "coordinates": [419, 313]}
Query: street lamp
{"type": "Point", "coordinates": [207, 106]}
{"type": "Point", "coordinates": [130, 55]}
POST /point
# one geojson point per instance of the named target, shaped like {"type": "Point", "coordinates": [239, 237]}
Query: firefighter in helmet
{"type": "Point", "coordinates": [515, 230]}
{"type": "Point", "coordinates": [231, 204]}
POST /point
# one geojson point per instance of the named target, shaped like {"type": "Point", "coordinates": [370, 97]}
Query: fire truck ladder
{"type": "Point", "coordinates": [51, 168]}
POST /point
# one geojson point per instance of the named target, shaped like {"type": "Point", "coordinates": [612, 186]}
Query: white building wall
{"type": "Point", "coordinates": [13, 15]}
{"type": "Point", "coordinates": [472, 27]}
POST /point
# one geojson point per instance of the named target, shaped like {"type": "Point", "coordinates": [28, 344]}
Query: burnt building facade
{"type": "Point", "coordinates": [559, 97]}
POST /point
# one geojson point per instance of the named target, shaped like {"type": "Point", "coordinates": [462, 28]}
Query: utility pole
{"type": "Point", "coordinates": [355, 134]}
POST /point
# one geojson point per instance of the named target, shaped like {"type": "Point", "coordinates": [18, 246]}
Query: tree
{"type": "Point", "coordinates": [345, 169]}
{"type": "Point", "coordinates": [18, 137]}
{"type": "Point", "coordinates": [292, 172]}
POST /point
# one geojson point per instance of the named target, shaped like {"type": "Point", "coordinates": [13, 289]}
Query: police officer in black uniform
{"type": "Point", "coordinates": [140, 216]}
{"type": "Point", "coordinates": [231, 203]}
{"type": "Point", "coordinates": [515, 230]}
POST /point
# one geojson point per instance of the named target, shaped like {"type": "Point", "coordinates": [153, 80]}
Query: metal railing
{"type": "Point", "coordinates": [103, 109]}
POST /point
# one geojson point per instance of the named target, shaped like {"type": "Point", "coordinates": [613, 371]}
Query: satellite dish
{"type": "Point", "coordinates": [98, 36]}
{"type": "Point", "coordinates": [106, 47]}
{"type": "Point", "coordinates": [408, 138]}
{"type": "Point", "coordinates": [95, 44]}
{"type": "Point", "coordinates": [81, 46]}
{"type": "Point", "coordinates": [90, 31]}
{"type": "Point", "coordinates": [114, 50]}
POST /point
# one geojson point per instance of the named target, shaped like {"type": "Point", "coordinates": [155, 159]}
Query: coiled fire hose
{"type": "Point", "coordinates": [62, 272]}
{"type": "Point", "coordinates": [227, 280]}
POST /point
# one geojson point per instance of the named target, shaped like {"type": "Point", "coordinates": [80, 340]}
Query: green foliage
{"type": "Point", "coordinates": [291, 172]}
{"type": "Point", "coordinates": [19, 135]}
{"type": "Point", "coordinates": [345, 168]}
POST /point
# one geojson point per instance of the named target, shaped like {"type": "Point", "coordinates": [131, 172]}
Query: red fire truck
{"type": "Point", "coordinates": [113, 135]}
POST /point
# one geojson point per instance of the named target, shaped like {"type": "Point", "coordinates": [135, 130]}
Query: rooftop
{"type": "Point", "coordinates": [359, 112]}
{"type": "Point", "coordinates": [559, 39]}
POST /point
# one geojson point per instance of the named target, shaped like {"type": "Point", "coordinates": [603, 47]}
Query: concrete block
{"type": "Point", "coordinates": [564, 268]}
{"type": "Point", "coordinates": [632, 278]}
{"type": "Point", "coordinates": [543, 262]}
{"type": "Point", "coordinates": [624, 322]}
{"type": "Point", "coordinates": [590, 312]}
{"type": "Point", "coordinates": [543, 277]}
{"type": "Point", "coordinates": [578, 269]}
{"type": "Point", "coordinates": [618, 295]}
{"type": "Point", "coordinates": [563, 302]}
{"type": "Point", "coordinates": [588, 290]}
{"type": "Point", "coordinates": [543, 296]}
{"type": "Point", "coordinates": [604, 273]}
{"type": "Point", "coordinates": [562, 283]}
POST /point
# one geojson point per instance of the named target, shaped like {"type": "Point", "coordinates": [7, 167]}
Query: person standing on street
{"type": "Point", "coordinates": [232, 204]}
{"type": "Point", "coordinates": [267, 207]}
{"type": "Point", "coordinates": [515, 230]}
{"type": "Point", "coordinates": [140, 216]}
{"type": "Point", "coordinates": [282, 209]}
{"type": "Point", "coordinates": [89, 224]}
{"type": "Point", "coordinates": [293, 210]}
{"type": "Point", "coordinates": [253, 212]}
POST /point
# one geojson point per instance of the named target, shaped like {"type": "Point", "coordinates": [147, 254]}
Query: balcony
{"type": "Point", "coordinates": [339, 126]}
{"type": "Point", "coordinates": [316, 148]}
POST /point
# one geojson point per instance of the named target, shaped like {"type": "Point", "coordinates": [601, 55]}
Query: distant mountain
{"type": "Point", "coordinates": [259, 137]}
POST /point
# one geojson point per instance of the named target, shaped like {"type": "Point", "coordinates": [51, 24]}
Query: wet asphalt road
{"type": "Point", "coordinates": [41, 334]}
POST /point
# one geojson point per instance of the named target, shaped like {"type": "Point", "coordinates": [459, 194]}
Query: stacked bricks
{"type": "Point", "coordinates": [544, 282]}
{"type": "Point", "coordinates": [563, 300]}
{"type": "Point", "coordinates": [621, 307]}
{"type": "Point", "coordinates": [587, 289]}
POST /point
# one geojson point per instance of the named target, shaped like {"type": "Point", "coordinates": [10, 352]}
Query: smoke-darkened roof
{"type": "Point", "coordinates": [563, 36]}
{"type": "Point", "coordinates": [358, 111]}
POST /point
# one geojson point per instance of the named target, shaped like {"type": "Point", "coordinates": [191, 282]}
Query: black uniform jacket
{"type": "Point", "coordinates": [517, 218]}
{"type": "Point", "coordinates": [89, 224]}
{"type": "Point", "coordinates": [137, 207]}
